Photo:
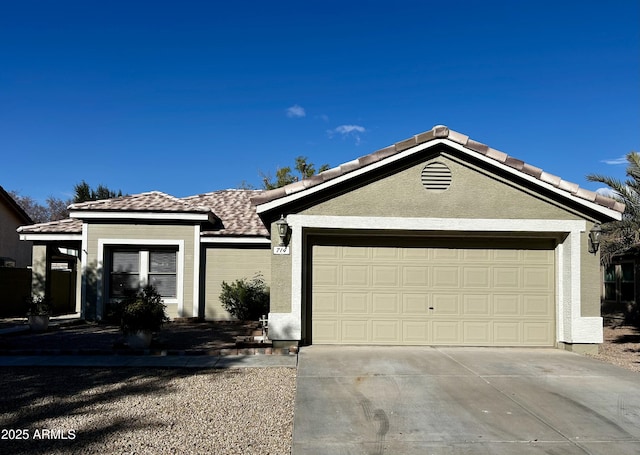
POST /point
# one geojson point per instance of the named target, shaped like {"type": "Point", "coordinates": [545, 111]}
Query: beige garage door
{"type": "Point", "coordinates": [432, 296]}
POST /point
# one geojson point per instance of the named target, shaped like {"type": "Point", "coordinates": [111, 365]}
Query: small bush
{"type": "Point", "coordinates": [38, 306]}
{"type": "Point", "coordinates": [246, 300]}
{"type": "Point", "coordinates": [141, 311]}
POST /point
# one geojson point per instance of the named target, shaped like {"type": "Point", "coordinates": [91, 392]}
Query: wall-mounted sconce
{"type": "Point", "coordinates": [283, 230]}
{"type": "Point", "coordinates": [594, 238]}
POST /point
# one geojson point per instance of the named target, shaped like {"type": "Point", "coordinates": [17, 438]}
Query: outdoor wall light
{"type": "Point", "coordinates": [594, 238]}
{"type": "Point", "coordinates": [283, 230]}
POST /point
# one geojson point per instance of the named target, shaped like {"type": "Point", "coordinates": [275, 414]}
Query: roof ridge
{"type": "Point", "coordinates": [441, 132]}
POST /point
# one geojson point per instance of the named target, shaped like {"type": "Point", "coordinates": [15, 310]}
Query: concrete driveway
{"type": "Point", "coordinates": [425, 400]}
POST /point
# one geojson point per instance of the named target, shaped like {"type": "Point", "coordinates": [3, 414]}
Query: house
{"type": "Point", "coordinates": [12, 251]}
{"type": "Point", "coordinates": [435, 240]}
{"type": "Point", "coordinates": [620, 289]}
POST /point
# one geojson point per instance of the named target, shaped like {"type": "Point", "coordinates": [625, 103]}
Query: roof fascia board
{"type": "Point", "coordinates": [95, 215]}
{"type": "Point", "coordinates": [448, 142]}
{"type": "Point", "coordinates": [236, 240]}
{"type": "Point", "coordinates": [590, 205]}
{"type": "Point", "coordinates": [314, 189]}
{"type": "Point", "coordinates": [50, 237]}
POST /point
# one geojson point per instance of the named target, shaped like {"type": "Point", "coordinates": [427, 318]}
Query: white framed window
{"type": "Point", "coordinates": [130, 269]}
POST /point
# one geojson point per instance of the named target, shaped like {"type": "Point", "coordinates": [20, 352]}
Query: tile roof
{"type": "Point", "coordinates": [235, 215]}
{"type": "Point", "coordinates": [66, 226]}
{"type": "Point", "coordinates": [238, 217]}
{"type": "Point", "coordinates": [153, 201]}
{"type": "Point", "coordinates": [440, 132]}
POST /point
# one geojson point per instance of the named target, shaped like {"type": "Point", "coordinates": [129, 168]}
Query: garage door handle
{"type": "Point", "coordinates": [431, 308]}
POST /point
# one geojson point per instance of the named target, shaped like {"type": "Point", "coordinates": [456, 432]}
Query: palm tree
{"type": "Point", "coordinates": [619, 236]}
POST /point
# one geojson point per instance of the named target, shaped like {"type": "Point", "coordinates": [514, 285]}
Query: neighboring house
{"type": "Point", "coordinates": [619, 285]}
{"type": "Point", "coordinates": [11, 248]}
{"type": "Point", "coordinates": [435, 240]}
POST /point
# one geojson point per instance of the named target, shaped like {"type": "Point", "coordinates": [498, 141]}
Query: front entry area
{"type": "Point", "coordinates": [456, 291]}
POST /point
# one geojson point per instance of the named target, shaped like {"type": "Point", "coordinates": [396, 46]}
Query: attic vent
{"type": "Point", "coordinates": [436, 177]}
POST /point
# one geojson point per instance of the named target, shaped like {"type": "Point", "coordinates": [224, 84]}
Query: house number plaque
{"type": "Point", "coordinates": [280, 250]}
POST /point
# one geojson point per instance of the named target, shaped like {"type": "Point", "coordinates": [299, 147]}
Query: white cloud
{"type": "Point", "coordinates": [615, 161]}
{"type": "Point", "coordinates": [296, 111]}
{"type": "Point", "coordinates": [348, 131]}
{"type": "Point", "coordinates": [607, 192]}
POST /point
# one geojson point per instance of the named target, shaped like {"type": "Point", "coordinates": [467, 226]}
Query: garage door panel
{"type": "Point", "coordinates": [414, 275]}
{"type": "Point", "coordinates": [326, 331]}
{"type": "Point", "coordinates": [446, 332]}
{"type": "Point", "coordinates": [326, 275]}
{"type": "Point", "coordinates": [507, 255]}
{"type": "Point", "coordinates": [507, 333]}
{"type": "Point", "coordinates": [446, 304]}
{"type": "Point", "coordinates": [477, 255]}
{"type": "Point", "coordinates": [506, 277]}
{"type": "Point", "coordinates": [539, 256]}
{"type": "Point", "coordinates": [537, 278]}
{"type": "Point", "coordinates": [355, 275]}
{"type": "Point", "coordinates": [445, 254]}
{"type": "Point", "coordinates": [385, 331]}
{"type": "Point", "coordinates": [537, 305]}
{"type": "Point", "coordinates": [385, 303]}
{"type": "Point", "coordinates": [416, 295]}
{"type": "Point", "coordinates": [355, 303]}
{"type": "Point", "coordinates": [326, 303]}
{"type": "Point", "coordinates": [445, 277]}
{"type": "Point", "coordinates": [414, 254]}
{"type": "Point", "coordinates": [415, 304]}
{"type": "Point", "coordinates": [385, 275]}
{"type": "Point", "coordinates": [385, 253]}
{"type": "Point", "coordinates": [348, 253]}
{"type": "Point", "coordinates": [476, 277]}
{"type": "Point", "coordinates": [476, 332]}
{"type": "Point", "coordinates": [536, 332]}
{"type": "Point", "coordinates": [506, 305]}
{"type": "Point", "coordinates": [355, 331]}
{"type": "Point", "coordinates": [415, 332]}
{"type": "Point", "coordinates": [477, 304]}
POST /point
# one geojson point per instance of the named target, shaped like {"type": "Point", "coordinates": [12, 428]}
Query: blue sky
{"type": "Point", "coordinates": [193, 96]}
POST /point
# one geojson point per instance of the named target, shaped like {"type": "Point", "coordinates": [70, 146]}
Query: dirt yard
{"type": "Point", "coordinates": [621, 347]}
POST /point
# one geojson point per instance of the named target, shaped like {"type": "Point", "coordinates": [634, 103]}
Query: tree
{"type": "Point", "coordinates": [83, 193]}
{"type": "Point", "coordinates": [284, 175]}
{"type": "Point", "coordinates": [619, 236]}
{"type": "Point", "coordinates": [54, 209]}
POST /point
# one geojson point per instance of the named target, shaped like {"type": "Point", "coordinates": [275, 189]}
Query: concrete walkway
{"type": "Point", "coordinates": [379, 400]}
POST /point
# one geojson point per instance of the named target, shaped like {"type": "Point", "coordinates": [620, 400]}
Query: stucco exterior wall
{"type": "Point", "coordinates": [281, 281]}
{"type": "Point", "coordinates": [474, 193]}
{"type": "Point", "coordinates": [10, 244]}
{"type": "Point", "coordinates": [230, 263]}
{"type": "Point", "coordinates": [590, 278]}
{"type": "Point", "coordinates": [141, 235]}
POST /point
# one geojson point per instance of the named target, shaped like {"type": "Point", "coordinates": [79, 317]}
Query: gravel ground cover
{"type": "Point", "coordinates": [621, 347]}
{"type": "Point", "coordinates": [146, 411]}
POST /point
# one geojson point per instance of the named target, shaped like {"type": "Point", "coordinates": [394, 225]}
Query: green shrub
{"type": "Point", "coordinates": [141, 311]}
{"type": "Point", "coordinates": [246, 300]}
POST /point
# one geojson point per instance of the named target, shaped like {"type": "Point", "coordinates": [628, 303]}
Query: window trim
{"type": "Point", "coordinates": [143, 254]}
{"type": "Point", "coordinates": [104, 245]}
